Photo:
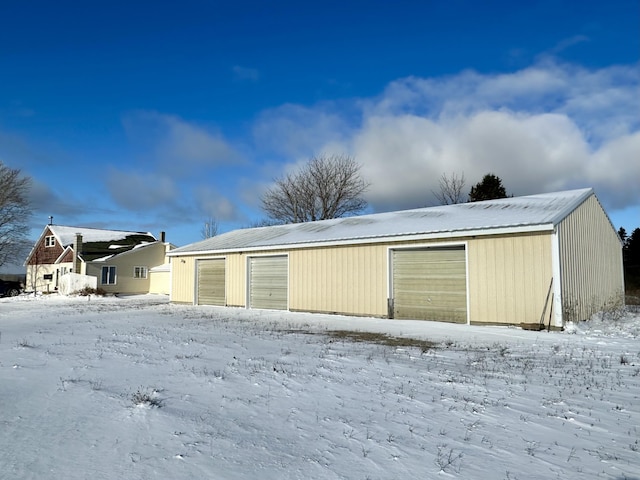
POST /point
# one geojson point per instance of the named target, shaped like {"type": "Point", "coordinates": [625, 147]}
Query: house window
{"type": "Point", "coordinates": [50, 241]}
{"type": "Point", "coordinates": [139, 272]}
{"type": "Point", "coordinates": [108, 275]}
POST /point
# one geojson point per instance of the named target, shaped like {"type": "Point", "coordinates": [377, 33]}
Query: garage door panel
{"type": "Point", "coordinates": [269, 282]}
{"type": "Point", "coordinates": [430, 284]}
{"type": "Point", "coordinates": [211, 282]}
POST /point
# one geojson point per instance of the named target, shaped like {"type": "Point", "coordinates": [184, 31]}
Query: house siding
{"type": "Point", "coordinates": [160, 283]}
{"type": "Point", "coordinates": [590, 262]}
{"type": "Point", "coordinates": [43, 254]}
{"type": "Point", "coordinates": [148, 256]}
{"type": "Point", "coordinates": [35, 276]}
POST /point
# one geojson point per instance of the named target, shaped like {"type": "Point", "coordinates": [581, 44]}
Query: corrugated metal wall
{"type": "Point", "coordinates": [183, 279]}
{"type": "Point", "coordinates": [509, 277]}
{"type": "Point", "coordinates": [236, 280]}
{"type": "Point", "coordinates": [351, 280]}
{"type": "Point", "coordinates": [590, 262]}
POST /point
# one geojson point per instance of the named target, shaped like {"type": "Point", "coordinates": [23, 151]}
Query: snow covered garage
{"type": "Point", "coordinates": [548, 258]}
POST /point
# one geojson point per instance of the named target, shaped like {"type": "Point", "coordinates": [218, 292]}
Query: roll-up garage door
{"type": "Point", "coordinates": [211, 282]}
{"type": "Point", "coordinates": [430, 284]}
{"type": "Point", "coordinates": [268, 282]}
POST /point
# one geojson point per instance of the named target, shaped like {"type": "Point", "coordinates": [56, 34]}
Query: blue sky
{"type": "Point", "coordinates": [157, 115]}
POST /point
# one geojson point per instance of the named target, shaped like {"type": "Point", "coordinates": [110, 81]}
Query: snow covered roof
{"type": "Point", "coordinates": [533, 212]}
{"type": "Point", "coordinates": [96, 243]}
{"type": "Point", "coordinates": [66, 235]}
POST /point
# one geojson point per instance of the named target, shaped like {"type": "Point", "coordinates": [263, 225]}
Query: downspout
{"type": "Point", "coordinates": [558, 320]}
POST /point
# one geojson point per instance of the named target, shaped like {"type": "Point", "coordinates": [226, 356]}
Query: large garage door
{"type": "Point", "coordinates": [430, 284]}
{"type": "Point", "coordinates": [211, 282]}
{"type": "Point", "coordinates": [268, 282]}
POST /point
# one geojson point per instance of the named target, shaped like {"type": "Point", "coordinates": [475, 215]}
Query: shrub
{"type": "Point", "coordinates": [86, 291]}
{"type": "Point", "coordinates": [146, 398]}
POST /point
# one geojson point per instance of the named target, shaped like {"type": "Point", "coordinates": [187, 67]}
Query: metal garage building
{"type": "Point", "coordinates": [547, 258]}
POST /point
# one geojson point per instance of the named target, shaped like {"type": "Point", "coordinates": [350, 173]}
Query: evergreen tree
{"type": "Point", "coordinates": [632, 247]}
{"type": "Point", "coordinates": [488, 189]}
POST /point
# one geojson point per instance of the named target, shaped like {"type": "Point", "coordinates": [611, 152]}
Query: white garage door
{"type": "Point", "coordinates": [211, 282]}
{"type": "Point", "coordinates": [430, 284]}
{"type": "Point", "coordinates": [269, 282]}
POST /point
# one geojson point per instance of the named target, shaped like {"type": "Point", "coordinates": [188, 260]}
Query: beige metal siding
{"type": "Point", "coordinates": [183, 282]}
{"type": "Point", "coordinates": [268, 282]}
{"type": "Point", "coordinates": [211, 282]}
{"type": "Point", "coordinates": [509, 278]}
{"type": "Point", "coordinates": [236, 280]}
{"type": "Point", "coordinates": [350, 280]}
{"type": "Point", "coordinates": [183, 279]}
{"type": "Point", "coordinates": [590, 262]}
{"type": "Point", "coordinates": [430, 284]}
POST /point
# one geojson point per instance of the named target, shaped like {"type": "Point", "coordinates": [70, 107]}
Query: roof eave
{"type": "Point", "coordinates": [545, 227]}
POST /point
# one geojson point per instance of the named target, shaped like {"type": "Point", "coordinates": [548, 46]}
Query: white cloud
{"type": "Point", "coordinates": [299, 132]}
{"type": "Point", "coordinates": [180, 144]}
{"type": "Point", "coordinates": [547, 127]}
{"type": "Point", "coordinates": [141, 191]}
{"type": "Point", "coordinates": [213, 204]}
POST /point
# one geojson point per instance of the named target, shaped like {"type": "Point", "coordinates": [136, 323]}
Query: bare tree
{"type": "Point", "coordinates": [326, 187]}
{"type": "Point", "coordinates": [14, 213]}
{"type": "Point", "coordinates": [210, 228]}
{"type": "Point", "coordinates": [450, 189]}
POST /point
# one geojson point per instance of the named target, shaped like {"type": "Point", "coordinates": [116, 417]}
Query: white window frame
{"type": "Point", "coordinates": [109, 275]}
{"type": "Point", "coordinates": [140, 273]}
{"type": "Point", "coordinates": [49, 241]}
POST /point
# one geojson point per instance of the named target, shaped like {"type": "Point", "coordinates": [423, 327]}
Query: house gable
{"type": "Point", "coordinates": [41, 254]}
{"type": "Point", "coordinates": [66, 256]}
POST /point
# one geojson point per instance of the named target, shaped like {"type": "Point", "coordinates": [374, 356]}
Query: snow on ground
{"type": "Point", "coordinates": [137, 388]}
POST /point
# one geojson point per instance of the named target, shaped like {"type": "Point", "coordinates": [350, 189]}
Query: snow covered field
{"type": "Point", "coordinates": [137, 388]}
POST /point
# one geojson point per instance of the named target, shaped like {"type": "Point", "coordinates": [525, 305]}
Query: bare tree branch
{"type": "Point", "coordinates": [14, 212]}
{"type": "Point", "coordinates": [326, 187]}
{"type": "Point", "coordinates": [210, 228]}
{"type": "Point", "coordinates": [450, 191]}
